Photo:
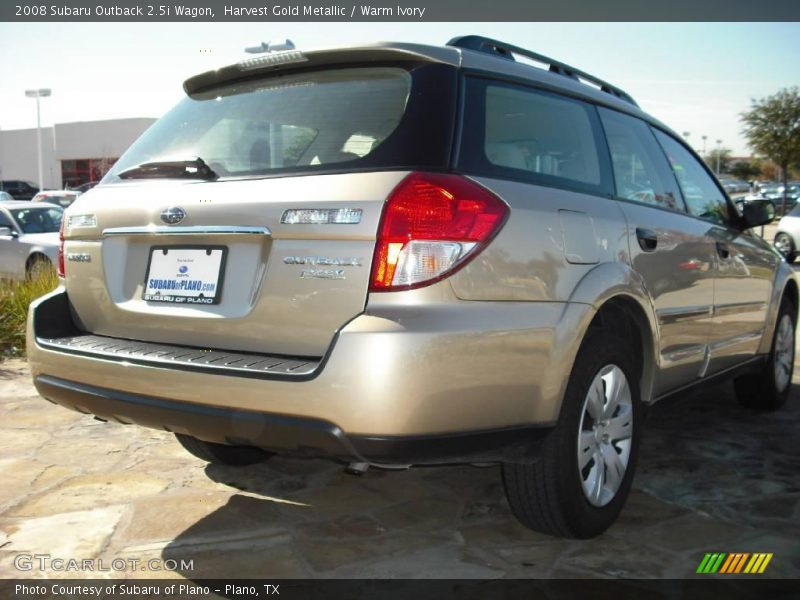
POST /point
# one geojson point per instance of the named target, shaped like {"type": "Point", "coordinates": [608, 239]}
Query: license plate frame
{"type": "Point", "coordinates": [179, 296]}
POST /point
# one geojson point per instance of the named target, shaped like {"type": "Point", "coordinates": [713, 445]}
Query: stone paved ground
{"type": "Point", "coordinates": [712, 477]}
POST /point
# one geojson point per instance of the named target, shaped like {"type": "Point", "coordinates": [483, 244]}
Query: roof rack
{"type": "Point", "coordinates": [507, 51]}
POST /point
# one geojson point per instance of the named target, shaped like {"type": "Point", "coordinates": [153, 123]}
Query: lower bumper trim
{"type": "Point", "coordinates": [290, 434]}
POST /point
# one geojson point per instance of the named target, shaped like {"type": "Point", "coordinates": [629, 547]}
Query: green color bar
{"type": "Point", "coordinates": [702, 567]}
{"type": "Point", "coordinates": [717, 564]}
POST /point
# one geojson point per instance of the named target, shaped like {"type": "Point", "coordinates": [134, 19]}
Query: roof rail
{"type": "Point", "coordinates": [507, 51]}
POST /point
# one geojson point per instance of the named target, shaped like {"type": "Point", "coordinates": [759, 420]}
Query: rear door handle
{"type": "Point", "coordinates": [723, 250]}
{"type": "Point", "coordinates": [648, 239]}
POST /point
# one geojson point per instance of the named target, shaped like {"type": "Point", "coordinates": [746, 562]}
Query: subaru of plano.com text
{"type": "Point", "coordinates": [47, 562]}
{"type": "Point", "coordinates": [133, 589]}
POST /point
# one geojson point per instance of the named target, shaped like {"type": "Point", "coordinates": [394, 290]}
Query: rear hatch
{"type": "Point", "coordinates": [245, 219]}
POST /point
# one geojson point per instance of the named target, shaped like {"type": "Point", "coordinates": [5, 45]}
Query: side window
{"type": "Point", "coordinates": [518, 132]}
{"type": "Point", "coordinates": [703, 197]}
{"type": "Point", "coordinates": [640, 171]}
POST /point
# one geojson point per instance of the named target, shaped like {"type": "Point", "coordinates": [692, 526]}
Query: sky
{"type": "Point", "coordinates": [695, 77]}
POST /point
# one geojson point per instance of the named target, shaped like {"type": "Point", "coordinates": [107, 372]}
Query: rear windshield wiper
{"type": "Point", "coordinates": [193, 168]}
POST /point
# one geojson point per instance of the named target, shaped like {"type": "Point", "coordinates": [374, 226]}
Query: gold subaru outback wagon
{"type": "Point", "coordinates": [398, 254]}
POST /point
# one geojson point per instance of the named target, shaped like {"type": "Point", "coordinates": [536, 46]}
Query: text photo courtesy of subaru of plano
{"type": "Point", "coordinates": [399, 255]}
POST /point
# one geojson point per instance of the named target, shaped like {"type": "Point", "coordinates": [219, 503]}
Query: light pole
{"type": "Point", "coordinates": [40, 93]}
{"type": "Point", "coordinates": [705, 137]}
{"type": "Point", "coordinates": [719, 149]}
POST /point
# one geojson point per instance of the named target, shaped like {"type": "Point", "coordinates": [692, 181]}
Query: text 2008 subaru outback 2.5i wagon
{"type": "Point", "coordinates": [398, 255]}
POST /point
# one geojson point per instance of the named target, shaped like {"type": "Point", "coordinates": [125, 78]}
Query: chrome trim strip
{"type": "Point", "coordinates": [739, 307]}
{"type": "Point", "coordinates": [738, 339]}
{"type": "Point", "coordinates": [683, 313]}
{"type": "Point", "coordinates": [188, 230]}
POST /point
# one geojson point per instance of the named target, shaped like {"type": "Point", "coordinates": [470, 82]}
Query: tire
{"type": "Point", "coordinates": [769, 389]}
{"type": "Point", "coordinates": [785, 245]}
{"type": "Point", "coordinates": [222, 454]}
{"type": "Point", "coordinates": [36, 266]}
{"type": "Point", "coordinates": [548, 495]}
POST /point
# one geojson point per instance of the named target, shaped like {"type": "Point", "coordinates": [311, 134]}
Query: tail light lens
{"type": "Point", "coordinates": [432, 225]}
{"type": "Point", "coordinates": [61, 248]}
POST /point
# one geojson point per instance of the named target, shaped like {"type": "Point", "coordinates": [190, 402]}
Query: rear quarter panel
{"type": "Point", "coordinates": [551, 241]}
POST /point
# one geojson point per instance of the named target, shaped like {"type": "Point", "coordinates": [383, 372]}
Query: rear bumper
{"type": "Point", "coordinates": [481, 381]}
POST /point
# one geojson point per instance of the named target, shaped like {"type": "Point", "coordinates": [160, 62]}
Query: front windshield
{"type": "Point", "coordinates": [38, 220]}
{"type": "Point", "coordinates": [293, 122]}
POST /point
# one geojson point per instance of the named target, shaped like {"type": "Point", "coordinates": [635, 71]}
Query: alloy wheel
{"type": "Point", "coordinates": [783, 243]}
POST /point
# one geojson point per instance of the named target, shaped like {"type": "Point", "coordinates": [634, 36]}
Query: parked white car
{"type": "Point", "coordinates": [28, 237]}
{"type": "Point", "coordinates": [787, 237]}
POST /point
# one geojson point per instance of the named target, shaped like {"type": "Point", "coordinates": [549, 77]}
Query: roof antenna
{"type": "Point", "coordinates": [263, 47]}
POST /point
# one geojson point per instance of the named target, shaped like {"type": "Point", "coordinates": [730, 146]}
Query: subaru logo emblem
{"type": "Point", "coordinates": [173, 215]}
{"type": "Point", "coordinates": [183, 269]}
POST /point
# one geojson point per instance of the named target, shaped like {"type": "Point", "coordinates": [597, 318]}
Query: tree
{"type": "Point", "coordinates": [769, 171]}
{"type": "Point", "coordinates": [772, 128]}
{"type": "Point", "coordinates": [724, 156]}
{"type": "Point", "coordinates": [745, 170]}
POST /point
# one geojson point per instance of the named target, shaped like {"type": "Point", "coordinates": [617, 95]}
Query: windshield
{"type": "Point", "coordinates": [305, 121]}
{"type": "Point", "coordinates": [38, 220]}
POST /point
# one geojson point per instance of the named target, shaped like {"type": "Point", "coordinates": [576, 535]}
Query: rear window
{"type": "Point", "coordinates": [320, 120]}
{"type": "Point", "coordinates": [517, 132]}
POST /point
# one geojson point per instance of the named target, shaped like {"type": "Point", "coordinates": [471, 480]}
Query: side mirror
{"type": "Point", "coordinates": [8, 232]}
{"type": "Point", "coordinates": [757, 212]}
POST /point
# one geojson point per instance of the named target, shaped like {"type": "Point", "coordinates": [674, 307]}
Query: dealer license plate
{"type": "Point", "coordinates": [185, 275]}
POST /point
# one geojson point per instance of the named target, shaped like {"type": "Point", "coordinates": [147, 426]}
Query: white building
{"type": "Point", "coordinates": [72, 153]}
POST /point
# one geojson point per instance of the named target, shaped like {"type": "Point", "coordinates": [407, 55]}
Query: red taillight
{"type": "Point", "coordinates": [61, 248]}
{"type": "Point", "coordinates": [432, 224]}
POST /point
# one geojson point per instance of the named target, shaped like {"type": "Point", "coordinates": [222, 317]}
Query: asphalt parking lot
{"type": "Point", "coordinates": [712, 477]}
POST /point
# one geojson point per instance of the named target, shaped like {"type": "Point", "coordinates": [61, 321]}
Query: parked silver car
{"type": "Point", "coordinates": [28, 238]}
{"type": "Point", "coordinates": [399, 254]}
{"type": "Point", "coordinates": [734, 186]}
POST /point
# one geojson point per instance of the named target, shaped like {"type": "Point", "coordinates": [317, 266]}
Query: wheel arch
{"type": "Point", "coordinates": [34, 255]}
{"type": "Point", "coordinates": [619, 296]}
{"type": "Point", "coordinates": [790, 291]}
{"type": "Point", "coordinates": [785, 285]}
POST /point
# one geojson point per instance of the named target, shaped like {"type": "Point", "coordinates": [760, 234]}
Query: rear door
{"type": "Point", "coordinates": [272, 251]}
{"type": "Point", "coordinates": [671, 251]}
{"type": "Point", "coordinates": [746, 265]}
